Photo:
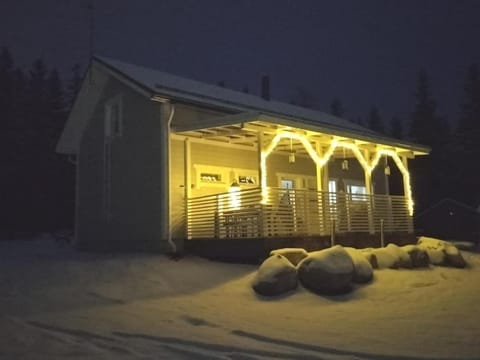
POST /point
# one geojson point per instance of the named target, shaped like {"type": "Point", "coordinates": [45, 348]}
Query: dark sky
{"type": "Point", "coordinates": [366, 52]}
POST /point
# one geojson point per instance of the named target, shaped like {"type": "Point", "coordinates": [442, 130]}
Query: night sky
{"type": "Point", "coordinates": [365, 52]}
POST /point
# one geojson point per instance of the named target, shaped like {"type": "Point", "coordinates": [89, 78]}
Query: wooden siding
{"type": "Point", "coordinates": [135, 172]}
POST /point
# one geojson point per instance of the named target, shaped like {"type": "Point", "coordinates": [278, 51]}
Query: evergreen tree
{"type": "Point", "coordinates": [423, 125]}
{"type": "Point", "coordinates": [430, 174]}
{"type": "Point", "coordinates": [336, 107]}
{"type": "Point", "coordinates": [466, 139]}
{"type": "Point", "coordinates": [7, 140]}
{"type": "Point", "coordinates": [74, 84]}
{"type": "Point", "coordinates": [6, 103]}
{"type": "Point", "coordinates": [374, 120]}
{"type": "Point", "coordinates": [396, 128]}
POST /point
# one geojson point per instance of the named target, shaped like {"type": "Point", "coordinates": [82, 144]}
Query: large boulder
{"type": "Point", "coordinates": [387, 258]}
{"type": "Point", "coordinates": [442, 252]}
{"type": "Point", "coordinates": [418, 256]}
{"type": "Point", "coordinates": [372, 259]}
{"type": "Point", "coordinates": [275, 276]}
{"type": "Point", "coordinates": [328, 271]}
{"type": "Point", "coordinates": [453, 257]}
{"type": "Point", "coordinates": [404, 260]}
{"type": "Point", "coordinates": [294, 255]}
{"type": "Point", "coordinates": [363, 270]}
{"type": "Point", "coordinates": [435, 249]}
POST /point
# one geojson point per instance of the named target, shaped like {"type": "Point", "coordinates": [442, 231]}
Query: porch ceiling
{"type": "Point", "coordinates": [245, 131]}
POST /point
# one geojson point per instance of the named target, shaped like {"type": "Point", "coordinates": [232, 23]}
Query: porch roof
{"type": "Point", "coordinates": [242, 129]}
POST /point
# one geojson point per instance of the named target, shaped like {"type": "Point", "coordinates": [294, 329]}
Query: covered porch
{"type": "Point", "coordinates": [339, 186]}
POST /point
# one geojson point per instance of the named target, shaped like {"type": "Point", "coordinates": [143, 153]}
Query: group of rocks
{"type": "Point", "coordinates": [334, 270]}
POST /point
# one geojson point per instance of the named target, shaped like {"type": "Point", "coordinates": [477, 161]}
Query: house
{"type": "Point", "coordinates": [165, 163]}
{"type": "Point", "coordinates": [449, 219]}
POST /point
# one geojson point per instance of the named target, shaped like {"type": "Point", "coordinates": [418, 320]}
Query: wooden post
{"type": "Point", "coordinates": [405, 194]}
{"type": "Point", "coordinates": [187, 183]}
{"type": "Point", "coordinates": [368, 187]}
{"type": "Point", "coordinates": [320, 188]}
{"type": "Point", "coordinates": [260, 175]}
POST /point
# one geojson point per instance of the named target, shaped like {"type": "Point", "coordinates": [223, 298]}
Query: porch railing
{"type": "Point", "coordinates": [293, 212]}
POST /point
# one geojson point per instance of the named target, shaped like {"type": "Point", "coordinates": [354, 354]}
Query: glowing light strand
{"type": "Point", "coordinates": [321, 161]}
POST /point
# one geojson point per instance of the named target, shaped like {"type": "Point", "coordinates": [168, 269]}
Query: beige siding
{"type": "Point", "coordinates": [278, 163]}
{"type": "Point", "coordinates": [219, 156]}
{"type": "Point", "coordinates": [136, 173]}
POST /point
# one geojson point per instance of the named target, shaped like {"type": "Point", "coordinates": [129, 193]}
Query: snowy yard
{"type": "Point", "coordinates": [57, 303]}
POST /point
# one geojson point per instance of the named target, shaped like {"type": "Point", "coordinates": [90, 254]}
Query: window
{"type": "Point", "coordinates": [357, 192]}
{"type": "Point", "coordinates": [113, 118]}
{"type": "Point", "coordinates": [332, 190]}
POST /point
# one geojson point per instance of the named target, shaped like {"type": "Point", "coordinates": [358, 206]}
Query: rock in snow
{"type": "Point", "coordinates": [418, 256]}
{"type": "Point", "coordinates": [441, 252]}
{"type": "Point", "coordinates": [387, 258]}
{"type": "Point", "coordinates": [328, 271]}
{"type": "Point", "coordinates": [363, 270]}
{"type": "Point", "coordinates": [404, 260]}
{"type": "Point", "coordinates": [275, 276]}
{"type": "Point", "coordinates": [294, 255]}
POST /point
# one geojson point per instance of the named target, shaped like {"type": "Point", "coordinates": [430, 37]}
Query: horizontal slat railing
{"type": "Point", "coordinates": [293, 212]}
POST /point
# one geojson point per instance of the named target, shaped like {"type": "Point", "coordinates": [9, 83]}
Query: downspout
{"type": "Point", "coordinates": [172, 244]}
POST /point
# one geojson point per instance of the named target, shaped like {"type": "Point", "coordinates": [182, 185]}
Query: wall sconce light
{"type": "Point", "coordinates": [291, 157]}
{"type": "Point", "coordinates": [387, 170]}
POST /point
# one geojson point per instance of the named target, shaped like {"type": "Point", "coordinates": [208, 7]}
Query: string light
{"type": "Point", "coordinates": [368, 166]}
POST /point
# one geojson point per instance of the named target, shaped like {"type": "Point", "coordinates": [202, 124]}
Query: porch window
{"type": "Point", "coordinates": [357, 192]}
{"type": "Point", "coordinates": [332, 189]}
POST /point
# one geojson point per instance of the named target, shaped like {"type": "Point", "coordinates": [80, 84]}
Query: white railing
{"type": "Point", "coordinates": [293, 212]}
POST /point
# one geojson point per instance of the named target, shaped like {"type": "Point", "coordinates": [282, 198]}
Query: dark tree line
{"type": "Point", "coordinates": [453, 167]}
{"type": "Point", "coordinates": [37, 184]}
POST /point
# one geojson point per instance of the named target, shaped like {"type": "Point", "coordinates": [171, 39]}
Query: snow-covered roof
{"type": "Point", "coordinates": [155, 83]}
{"type": "Point", "coordinates": [164, 84]}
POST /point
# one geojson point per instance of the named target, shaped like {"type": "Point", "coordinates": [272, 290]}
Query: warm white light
{"type": "Point", "coordinates": [234, 199]}
{"type": "Point", "coordinates": [367, 165]}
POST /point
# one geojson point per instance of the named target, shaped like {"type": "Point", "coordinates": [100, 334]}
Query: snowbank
{"type": "Point", "coordinates": [56, 303]}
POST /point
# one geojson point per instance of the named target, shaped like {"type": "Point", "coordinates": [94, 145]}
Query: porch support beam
{"type": "Point", "coordinates": [187, 181]}
{"type": "Point", "coordinates": [368, 187]}
{"type": "Point", "coordinates": [406, 190]}
{"type": "Point", "coordinates": [320, 188]}
{"type": "Point", "coordinates": [259, 157]}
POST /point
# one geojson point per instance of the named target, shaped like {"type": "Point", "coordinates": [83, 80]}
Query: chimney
{"type": "Point", "coordinates": [265, 87]}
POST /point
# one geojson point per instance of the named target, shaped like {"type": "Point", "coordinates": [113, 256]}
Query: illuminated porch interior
{"type": "Point", "coordinates": [264, 211]}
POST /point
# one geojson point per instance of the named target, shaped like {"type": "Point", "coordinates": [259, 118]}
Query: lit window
{"type": "Point", "coordinates": [332, 189]}
{"type": "Point", "coordinates": [358, 192]}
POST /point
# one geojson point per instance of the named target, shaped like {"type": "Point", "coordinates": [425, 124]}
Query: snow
{"type": "Point", "coordinates": [334, 260]}
{"type": "Point", "coordinates": [271, 267]}
{"type": "Point", "coordinates": [363, 271]}
{"type": "Point", "coordinates": [57, 303]}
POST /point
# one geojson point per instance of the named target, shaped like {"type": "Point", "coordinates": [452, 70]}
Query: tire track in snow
{"type": "Point", "coordinates": [218, 351]}
{"type": "Point", "coordinates": [101, 341]}
{"type": "Point", "coordinates": [322, 349]}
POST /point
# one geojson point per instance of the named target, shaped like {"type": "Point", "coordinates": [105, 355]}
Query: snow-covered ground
{"type": "Point", "coordinates": [57, 303]}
